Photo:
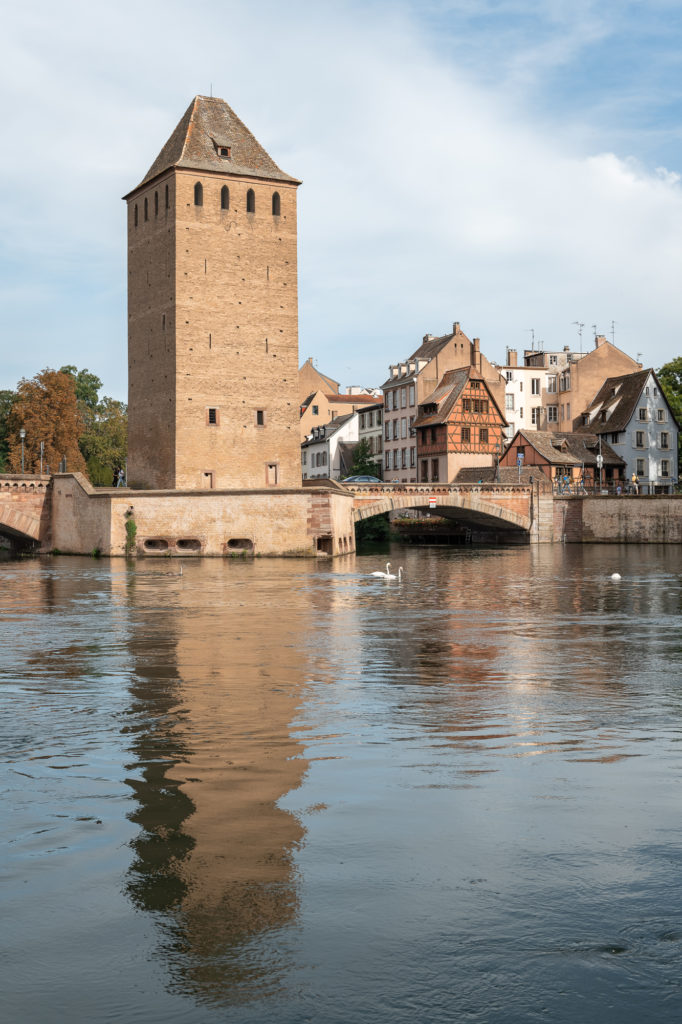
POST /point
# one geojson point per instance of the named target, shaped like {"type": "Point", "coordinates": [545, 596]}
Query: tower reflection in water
{"type": "Point", "coordinates": [218, 678]}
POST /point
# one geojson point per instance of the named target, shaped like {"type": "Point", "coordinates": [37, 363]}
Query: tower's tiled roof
{"type": "Point", "coordinates": [207, 125]}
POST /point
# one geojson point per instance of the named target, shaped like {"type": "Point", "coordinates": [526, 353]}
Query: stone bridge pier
{"type": "Point", "coordinates": [25, 510]}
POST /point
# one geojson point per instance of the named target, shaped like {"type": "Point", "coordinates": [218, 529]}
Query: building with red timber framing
{"type": "Point", "coordinates": [459, 424]}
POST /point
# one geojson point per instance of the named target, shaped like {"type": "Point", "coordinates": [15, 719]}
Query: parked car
{"type": "Point", "coordinates": [361, 480]}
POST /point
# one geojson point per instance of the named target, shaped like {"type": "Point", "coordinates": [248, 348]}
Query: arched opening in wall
{"type": "Point", "coordinates": [198, 194]}
{"type": "Point", "coordinates": [155, 544]}
{"type": "Point", "coordinates": [243, 544]}
{"type": "Point", "coordinates": [224, 198]}
{"type": "Point", "coordinates": [250, 201]}
{"type": "Point", "coordinates": [188, 544]}
{"type": "Point", "coordinates": [325, 545]}
{"type": "Point", "coordinates": [276, 204]}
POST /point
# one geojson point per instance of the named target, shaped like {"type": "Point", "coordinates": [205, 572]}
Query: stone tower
{"type": "Point", "coordinates": [213, 312]}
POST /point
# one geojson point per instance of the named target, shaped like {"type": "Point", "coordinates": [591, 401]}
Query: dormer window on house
{"type": "Point", "coordinates": [224, 151]}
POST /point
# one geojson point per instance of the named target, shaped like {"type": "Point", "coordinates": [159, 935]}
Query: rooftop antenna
{"type": "Point", "coordinates": [531, 331]}
{"type": "Point", "coordinates": [211, 90]}
{"type": "Point", "coordinates": [594, 328]}
{"type": "Point", "coordinates": [613, 332]}
{"type": "Point", "coordinates": [639, 358]}
{"type": "Point", "coordinates": [579, 325]}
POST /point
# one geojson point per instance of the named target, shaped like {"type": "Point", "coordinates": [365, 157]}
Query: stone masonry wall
{"type": "Point", "coordinates": [628, 519]}
{"type": "Point", "coordinates": [266, 522]}
{"type": "Point", "coordinates": [213, 324]}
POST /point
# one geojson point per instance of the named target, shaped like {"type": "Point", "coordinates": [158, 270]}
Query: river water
{"type": "Point", "coordinates": [287, 791]}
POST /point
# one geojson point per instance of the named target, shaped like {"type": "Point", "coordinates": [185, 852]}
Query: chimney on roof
{"type": "Point", "coordinates": [476, 353]}
{"type": "Point", "coordinates": [599, 340]}
{"type": "Point", "coordinates": [567, 348]}
{"type": "Point", "coordinates": [512, 357]}
{"type": "Point", "coordinates": [456, 329]}
{"type": "Point", "coordinates": [427, 337]}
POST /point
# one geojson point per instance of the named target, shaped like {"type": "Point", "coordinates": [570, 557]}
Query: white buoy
{"type": "Point", "coordinates": [616, 576]}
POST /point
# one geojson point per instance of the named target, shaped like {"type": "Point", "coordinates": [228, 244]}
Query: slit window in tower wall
{"type": "Point", "coordinates": [224, 198]}
{"type": "Point", "coordinates": [146, 209]}
{"type": "Point", "coordinates": [136, 214]}
{"type": "Point", "coordinates": [260, 417]}
{"type": "Point", "coordinates": [212, 417]}
{"type": "Point", "coordinates": [250, 201]}
{"type": "Point", "coordinates": [276, 204]}
{"type": "Point", "coordinates": [156, 204]}
{"type": "Point", "coordinates": [167, 198]}
{"type": "Point", "coordinates": [198, 194]}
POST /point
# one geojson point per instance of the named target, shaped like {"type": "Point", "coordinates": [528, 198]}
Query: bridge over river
{"type": "Point", "coordinates": [525, 509]}
{"type": "Point", "coordinates": [524, 512]}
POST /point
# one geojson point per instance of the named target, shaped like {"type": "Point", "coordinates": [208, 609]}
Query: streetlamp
{"type": "Point", "coordinates": [22, 435]}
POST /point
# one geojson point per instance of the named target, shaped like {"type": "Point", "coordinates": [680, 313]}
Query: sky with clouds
{"type": "Point", "coordinates": [511, 164]}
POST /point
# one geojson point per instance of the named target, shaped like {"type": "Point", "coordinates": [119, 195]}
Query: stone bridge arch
{"type": "Point", "coordinates": [488, 505]}
{"type": "Point", "coordinates": [24, 508]}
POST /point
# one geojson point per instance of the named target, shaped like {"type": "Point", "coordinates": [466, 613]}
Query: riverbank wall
{"type": "Point", "coordinates": [609, 519]}
{"type": "Point", "coordinates": [298, 521]}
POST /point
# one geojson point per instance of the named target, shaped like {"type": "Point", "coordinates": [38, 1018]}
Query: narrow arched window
{"type": "Point", "coordinates": [276, 204]}
{"type": "Point", "coordinates": [146, 209]}
{"type": "Point", "coordinates": [135, 214]}
{"type": "Point", "coordinates": [156, 204]}
{"type": "Point", "coordinates": [250, 201]}
{"type": "Point", "coordinates": [167, 198]}
{"type": "Point", "coordinates": [198, 194]}
{"type": "Point", "coordinates": [224, 198]}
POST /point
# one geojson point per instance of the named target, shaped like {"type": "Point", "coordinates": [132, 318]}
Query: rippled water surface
{"type": "Point", "coordinates": [287, 791]}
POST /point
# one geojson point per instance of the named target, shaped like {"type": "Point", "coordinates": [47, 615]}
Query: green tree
{"type": "Point", "coordinates": [87, 388]}
{"type": "Point", "coordinates": [364, 463]}
{"type": "Point", "coordinates": [47, 409]}
{"type": "Point", "coordinates": [670, 379]}
{"type": "Point", "coordinates": [104, 441]}
{"type": "Point", "coordinates": [6, 400]}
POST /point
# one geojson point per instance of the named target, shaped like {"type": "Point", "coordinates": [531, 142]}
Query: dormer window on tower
{"type": "Point", "coordinates": [224, 151]}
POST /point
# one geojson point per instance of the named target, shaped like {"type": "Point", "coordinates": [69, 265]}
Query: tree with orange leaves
{"type": "Point", "coordinates": [47, 409]}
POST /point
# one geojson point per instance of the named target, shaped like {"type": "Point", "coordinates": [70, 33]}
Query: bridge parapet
{"type": "Point", "coordinates": [24, 482]}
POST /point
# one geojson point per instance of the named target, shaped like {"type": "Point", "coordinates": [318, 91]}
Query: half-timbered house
{"type": "Point", "coordinates": [459, 424]}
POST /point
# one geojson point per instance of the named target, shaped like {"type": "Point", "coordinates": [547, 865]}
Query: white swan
{"type": "Point", "coordinates": [384, 575]}
{"type": "Point", "coordinates": [388, 575]}
{"type": "Point", "coordinates": [616, 576]}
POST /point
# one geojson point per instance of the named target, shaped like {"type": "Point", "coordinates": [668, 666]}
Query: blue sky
{"type": "Point", "coordinates": [511, 165]}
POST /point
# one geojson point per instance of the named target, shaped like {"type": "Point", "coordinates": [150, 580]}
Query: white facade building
{"type": "Point", "coordinates": [632, 414]}
{"type": "Point", "coordinates": [532, 390]}
{"type": "Point", "coordinates": [324, 453]}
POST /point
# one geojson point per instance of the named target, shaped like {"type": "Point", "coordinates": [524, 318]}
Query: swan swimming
{"type": "Point", "coordinates": [384, 575]}
{"type": "Point", "coordinates": [616, 576]}
{"type": "Point", "coordinates": [388, 575]}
